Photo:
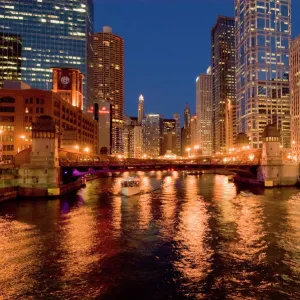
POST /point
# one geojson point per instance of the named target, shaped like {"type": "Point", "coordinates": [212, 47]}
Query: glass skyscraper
{"type": "Point", "coordinates": [263, 31]}
{"type": "Point", "coordinates": [53, 33]}
{"type": "Point", "coordinates": [223, 76]}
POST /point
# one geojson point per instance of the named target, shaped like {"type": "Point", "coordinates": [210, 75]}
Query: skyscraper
{"type": "Point", "coordinates": [263, 30]}
{"type": "Point", "coordinates": [10, 57]}
{"type": "Point", "coordinates": [152, 128]}
{"type": "Point", "coordinates": [53, 34]}
{"type": "Point", "coordinates": [295, 95]}
{"type": "Point", "coordinates": [169, 142]}
{"type": "Point", "coordinates": [141, 112]}
{"type": "Point", "coordinates": [223, 72]}
{"type": "Point", "coordinates": [204, 111]}
{"type": "Point", "coordinates": [186, 131]}
{"type": "Point", "coordinates": [109, 80]}
{"type": "Point", "coordinates": [176, 117]}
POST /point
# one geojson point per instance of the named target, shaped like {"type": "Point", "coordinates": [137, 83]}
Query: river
{"type": "Point", "coordinates": [185, 237]}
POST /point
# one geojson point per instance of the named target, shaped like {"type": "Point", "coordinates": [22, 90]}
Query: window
{"type": "Point", "coordinates": [7, 100]}
{"type": "Point", "coordinates": [37, 101]}
{"type": "Point", "coordinates": [7, 109]}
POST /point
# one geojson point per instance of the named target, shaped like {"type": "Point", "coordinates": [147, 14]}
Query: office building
{"type": "Point", "coordinates": [295, 95]}
{"type": "Point", "coordinates": [204, 111]}
{"type": "Point", "coordinates": [223, 74]}
{"type": "Point", "coordinates": [186, 132]}
{"type": "Point", "coordinates": [176, 117]}
{"type": "Point", "coordinates": [10, 57]}
{"type": "Point", "coordinates": [169, 143]}
{"type": "Point", "coordinates": [53, 33]}
{"type": "Point", "coordinates": [109, 80]}
{"type": "Point", "coordinates": [263, 32]}
{"type": "Point", "coordinates": [141, 109]}
{"type": "Point", "coordinates": [22, 105]}
{"type": "Point", "coordinates": [129, 136]}
{"type": "Point", "coordinates": [195, 147]}
{"type": "Point", "coordinates": [152, 131]}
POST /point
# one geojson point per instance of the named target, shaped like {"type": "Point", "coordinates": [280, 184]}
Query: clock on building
{"type": "Point", "coordinates": [65, 80]}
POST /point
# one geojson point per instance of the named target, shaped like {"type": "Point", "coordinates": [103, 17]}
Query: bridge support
{"type": "Point", "coordinates": [42, 175]}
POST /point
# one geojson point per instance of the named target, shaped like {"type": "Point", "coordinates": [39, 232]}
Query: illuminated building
{"type": "Point", "coordinates": [204, 112]}
{"type": "Point", "coordinates": [223, 74]}
{"type": "Point", "coordinates": [10, 57]}
{"type": "Point", "coordinates": [176, 117]}
{"type": "Point", "coordinates": [194, 134]}
{"type": "Point", "coordinates": [101, 111]}
{"type": "Point", "coordinates": [53, 33]}
{"type": "Point", "coordinates": [152, 130]}
{"type": "Point", "coordinates": [68, 84]}
{"type": "Point", "coordinates": [129, 136]}
{"type": "Point", "coordinates": [230, 124]}
{"type": "Point", "coordinates": [109, 80]}
{"type": "Point", "coordinates": [169, 143]}
{"type": "Point", "coordinates": [295, 95]}
{"type": "Point", "coordinates": [141, 112]}
{"type": "Point", "coordinates": [263, 31]}
{"type": "Point", "coordinates": [186, 131]}
{"type": "Point", "coordinates": [21, 105]}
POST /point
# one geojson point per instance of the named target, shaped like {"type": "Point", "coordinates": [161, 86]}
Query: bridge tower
{"type": "Point", "coordinates": [273, 170]}
{"type": "Point", "coordinates": [42, 173]}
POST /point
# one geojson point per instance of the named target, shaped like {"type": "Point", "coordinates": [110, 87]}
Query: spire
{"type": "Point", "coordinates": [141, 98]}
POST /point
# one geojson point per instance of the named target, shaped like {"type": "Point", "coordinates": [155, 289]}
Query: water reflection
{"type": "Point", "coordinates": [184, 237]}
{"type": "Point", "coordinates": [193, 252]}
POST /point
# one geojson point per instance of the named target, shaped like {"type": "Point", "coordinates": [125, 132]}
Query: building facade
{"type": "Point", "coordinates": [263, 32]}
{"type": "Point", "coordinates": [10, 57]}
{"type": "Point", "coordinates": [295, 96]}
{"type": "Point", "coordinates": [53, 34]}
{"type": "Point", "coordinates": [21, 107]}
{"type": "Point", "coordinates": [169, 143]}
{"type": "Point", "coordinates": [129, 136]}
{"type": "Point", "coordinates": [223, 72]}
{"type": "Point", "coordinates": [194, 134]}
{"type": "Point", "coordinates": [109, 80]}
{"type": "Point", "coordinates": [176, 117]}
{"type": "Point", "coordinates": [141, 109]}
{"type": "Point", "coordinates": [152, 131]}
{"type": "Point", "coordinates": [186, 132]}
{"type": "Point", "coordinates": [204, 112]}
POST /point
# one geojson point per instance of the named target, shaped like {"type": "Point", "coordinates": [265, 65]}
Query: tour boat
{"type": "Point", "coordinates": [130, 186]}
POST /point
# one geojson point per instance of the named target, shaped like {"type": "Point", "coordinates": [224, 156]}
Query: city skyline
{"type": "Point", "coordinates": [134, 22]}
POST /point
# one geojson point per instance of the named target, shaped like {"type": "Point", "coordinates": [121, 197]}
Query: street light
{"type": "Point", "coordinates": [86, 149]}
{"type": "Point", "coordinates": [76, 147]}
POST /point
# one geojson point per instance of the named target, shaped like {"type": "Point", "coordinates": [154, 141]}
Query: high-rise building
{"type": "Point", "coordinates": [194, 132]}
{"type": "Point", "coordinates": [53, 33]}
{"type": "Point", "coordinates": [152, 128]}
{"type": "Point", "coordinates": [223, 72]}
{"type": "Point", "coordinates": [129, 136]}
{"type": "Point", "coordinates": [263, 31]}
{"type": "Point", "coordinates": [10, 57]}
{"type": "Point", "coordinates": [204, 111]}
{"type": "Point", "coordinates": [141, 111]}
{"type": "Point", "coordinates": [295, 95]}
{"type": "Point", "coordinates": [109, 80]}
{"type": "Point", "coordinates": [176, 117]}
{"type": "Point", "coordinates": [169, 143]}
{"type": "Point", "coordinates": [186, 132]}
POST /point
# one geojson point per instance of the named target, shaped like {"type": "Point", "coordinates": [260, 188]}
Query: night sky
{"type": "Point", "coordinates": [167, 45]}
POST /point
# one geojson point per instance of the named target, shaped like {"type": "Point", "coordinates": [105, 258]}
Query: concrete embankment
{"type": "Point", "coordinates": [7, 193]}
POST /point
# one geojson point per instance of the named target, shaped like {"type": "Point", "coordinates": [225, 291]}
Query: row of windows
{"type": "Point", "coordinates": [8, 147]}
{"type": "Point", "coordinates": [7, 100]}
{"type": "Point", "coordinates": [31, 101]}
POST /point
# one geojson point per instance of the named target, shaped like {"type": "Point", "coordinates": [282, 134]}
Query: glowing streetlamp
{"type": "Point", "coordinates": [86, 150]}
{"type": "Point", "coordinates": [76, 147]}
